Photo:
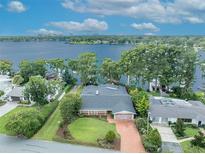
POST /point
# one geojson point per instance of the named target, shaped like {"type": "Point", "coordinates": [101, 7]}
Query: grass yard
{"type": "Point", "coordinates": [88, 130]}
{"type": "Point", "coordinates": [4, 120]}
{"type": "Point", "coordinates": [48, 131]}
{"type": "Point", "coordinates": [191, 132]}
{"type": "Point", "coordinates": [188, 148]}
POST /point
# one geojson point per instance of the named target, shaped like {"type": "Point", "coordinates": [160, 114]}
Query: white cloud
{"type": "Point", "coordinates": [195, 20]}
{"type": "Point", "coordinates": [88, 25]}
{"type": "Point", "coordinates": [169, 11]}
{"type": "Point", "coordinates": [44, 31]}
{"type": "Point", "coordinates": [16, 6]}
{"type": "Point", "coordinates": [145, 26]}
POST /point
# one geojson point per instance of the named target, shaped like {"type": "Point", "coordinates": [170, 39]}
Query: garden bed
{"type": "Point", "coordinates": [189, 148]}
{"type": "Point", "coordinates": [190, 131]}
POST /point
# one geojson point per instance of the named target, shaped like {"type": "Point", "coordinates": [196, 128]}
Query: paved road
{"type": "Point", "coordinates": [7, 108]}
{"type": "Point", "coordinates": [16, 145]}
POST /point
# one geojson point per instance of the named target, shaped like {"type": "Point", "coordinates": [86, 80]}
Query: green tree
{"type": "Point", "coordinates": [70, 107]}
{"type": "Point", "coordinates": [18, 79]}
{"type": "Point", "coordinates": [37, 90]}
{"type": "Point", "coordinates": [110, 70]}
{"type": "Point", "coordinates": [28, 69]}
{"type": "Point", "coordinates": [5, 66]}
{"type": "Point", "coordinates": [141, 101]}
{"type": "Point", "coordinates": [180, 127]}
{"type": "Point", "coordinates": [110, 137]}
{"type": "Point", "coordinates": [86, 68]}
{"type": "Point", "coordinates": [24, 123]}
{"type": "Point", "coordinates": [56, 65]}
{"type": "Point", "coordinates": [67, 77]}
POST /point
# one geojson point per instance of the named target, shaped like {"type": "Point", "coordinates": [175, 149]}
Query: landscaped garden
{"type": "Point", "coordinates": [189, 148]}
{"type": "Point", "coordinates": [182, 130]}
{"type": "Point", "coordinates": [88, 130]}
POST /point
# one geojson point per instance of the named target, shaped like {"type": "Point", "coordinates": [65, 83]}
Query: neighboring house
{"type": "Point", "coordinates": [51, 76]}
{"type": "Point", "coordinates": [164, 110]}
{"type": "Point", "coordinates": [108, 98]}
{"type": "Point", "coordinates": [16, 94]}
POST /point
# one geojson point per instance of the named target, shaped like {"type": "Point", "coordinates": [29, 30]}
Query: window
{"type": "Point", "coordinates": [186, 120]}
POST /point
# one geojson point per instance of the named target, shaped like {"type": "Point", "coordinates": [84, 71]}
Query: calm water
{"type": "Point", "coordinates": [17, 51]}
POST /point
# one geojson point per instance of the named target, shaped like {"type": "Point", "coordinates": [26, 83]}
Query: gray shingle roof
{"type": "Point", "coordinates": [110, 97]}
{"type": "Point", "coordinates": [177, 109]}
{"type": "Point", "coordinates": [16, 92]}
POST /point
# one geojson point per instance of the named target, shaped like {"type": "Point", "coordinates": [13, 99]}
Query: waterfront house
{"type": "Point", "coordinates": [165, 110]}
{"type": "Point", "coordinates": [107, 99]}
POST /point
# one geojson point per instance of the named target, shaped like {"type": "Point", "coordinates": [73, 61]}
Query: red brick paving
{"type": "Point", "coordinates": [130, 137]}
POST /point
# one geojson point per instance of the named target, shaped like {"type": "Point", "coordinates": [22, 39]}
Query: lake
{"type": "Point", "coordinates": [17, 51]}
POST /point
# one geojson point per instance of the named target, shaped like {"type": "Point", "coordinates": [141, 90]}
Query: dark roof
{"type": "Point", "coordinates": [176, 108]}
{"type": "Point", "coordinates": [109, 97]}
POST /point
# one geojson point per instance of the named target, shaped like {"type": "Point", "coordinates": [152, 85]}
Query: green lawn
{"type": "Point", "coordinates": [188, 148]}
{"type": "Point", "coordinates": [88, 130]}
{"type": "Point", "coordinates": [4, 120]}
{"type": "Point", "coordinates": [191, 132]}
{"type": "Point", "coordinates": [48, 131]}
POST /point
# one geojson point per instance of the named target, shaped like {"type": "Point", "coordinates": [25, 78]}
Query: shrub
{"type": "Point", "coordinates": [70, 107]}
{"type": "Point", "coordinates": [2, 102]}
{"type": "Point", "coordinates": [25, 123]}
{"type": "Point", "coordinates": [141, 101]}
{"type": "Point", "coordinates": [1, 93]}
{"type": "Point", "coordinates": [24, 102]}
{"type": "Point", "coordinates": [199, 140]}
{"type": "Point", "coordinates": [110, 137]}
{"type": "Point", "coordinates": [152, 141]}
{"type": "Point", "coordinates": [179, 128]}
{"type": "Point", "coordinates": [141, 124]}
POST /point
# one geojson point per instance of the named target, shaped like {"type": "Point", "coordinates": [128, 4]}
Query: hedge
{"type": "Point", "coordinates": [27, 122]}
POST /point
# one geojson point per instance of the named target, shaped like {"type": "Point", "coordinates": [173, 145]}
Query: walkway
{"type": "Point", "coordinates": [169, 140]}
{"type": "Point", "coordinates": [7, 108]}
{"type": "Point", "coordinates": [130, 137]}
{"type": "Point", "coordinates": [185, 139]}
{"type": "Point", "coordinates": [16, 145]}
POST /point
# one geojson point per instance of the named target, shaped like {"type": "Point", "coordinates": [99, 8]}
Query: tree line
{"type": "Point", "coordinates": [167, 65]}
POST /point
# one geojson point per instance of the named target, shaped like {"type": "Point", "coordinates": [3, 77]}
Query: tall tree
{"type": "Point", "coordinates": [56, 65]}
{"type": "Point", "coordinates": [110, 70]}
{"type": "Point", "coordinates": [86, 68]}
{"type": "Point", "coordinates": [28, 69]}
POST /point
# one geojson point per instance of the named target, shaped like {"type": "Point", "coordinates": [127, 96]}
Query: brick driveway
{"type": "Point", "coordinates": [130, 138]}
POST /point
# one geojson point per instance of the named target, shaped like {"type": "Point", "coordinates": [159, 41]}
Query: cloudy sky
{"type": "Point", "coordinates": [81, 17]}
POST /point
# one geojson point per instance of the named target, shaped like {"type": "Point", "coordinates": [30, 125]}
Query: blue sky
{"type": "Point", "coordinates": [107, 17]}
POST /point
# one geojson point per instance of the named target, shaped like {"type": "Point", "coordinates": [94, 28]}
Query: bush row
{"type": "Point", "coordinates": [27, 122]}
{"type": "Point", "coordinates": [150, 137]}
